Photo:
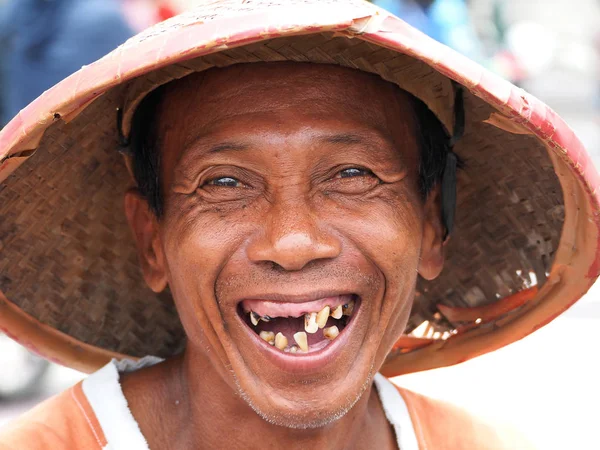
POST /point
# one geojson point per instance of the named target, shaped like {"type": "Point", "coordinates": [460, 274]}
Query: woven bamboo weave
{"type": "Point", "coordinates": [68, 258]}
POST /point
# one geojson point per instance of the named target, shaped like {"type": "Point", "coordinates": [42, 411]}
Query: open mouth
{"type": "Point", "coordinates": [299, 327]}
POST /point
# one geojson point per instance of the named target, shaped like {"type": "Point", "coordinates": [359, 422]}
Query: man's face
{"type": "Point", "coordinates": [290, 188]}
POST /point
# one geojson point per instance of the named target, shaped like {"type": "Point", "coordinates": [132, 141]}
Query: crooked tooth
{"type": "Point", "coordinates": [281, 341]}
{"type": "Point", "coordinates": [322, 317]}
{"type": "Point", "coordinates": [254, 318]}
{"type": "Point", "coordinates": [268, 336]}
{"type": "Point", "coordinates": [349, 308]}
{"type": "Point", "coordinates": [302, 340]}
{"type": "Point", "coordinates": [310, 323]}
{"type": "Point", "coordinates": [337, 312]}
{"type": "Point", "coordinates": [331, 333]}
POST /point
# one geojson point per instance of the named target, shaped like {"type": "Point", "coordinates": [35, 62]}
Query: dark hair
{"type": "Point", "coordinates": [144, 144]}
{"type": "Point", "coordinates": [144, 148]}
{"type": "Point", "coordinates": [433, 142]}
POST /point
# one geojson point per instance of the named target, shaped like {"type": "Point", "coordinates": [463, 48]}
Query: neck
{"type": "Point", "coordinates": [193, 406]}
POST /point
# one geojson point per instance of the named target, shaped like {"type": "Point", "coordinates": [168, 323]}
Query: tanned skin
{"type": "Point", "coordinates": [261, 196]}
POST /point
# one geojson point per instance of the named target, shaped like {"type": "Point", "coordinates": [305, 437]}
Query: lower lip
{"type": "Point", "coordinates": [306, 362]}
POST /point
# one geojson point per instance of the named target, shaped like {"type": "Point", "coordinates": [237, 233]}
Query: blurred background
{"type": "Point", "coordinates": [545, 385]}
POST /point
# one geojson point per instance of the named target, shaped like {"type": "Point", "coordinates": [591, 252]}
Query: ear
{"type": "Point", "coordinates": [431, 262]}
{"type": "Point", "coordinates": [144, 225]}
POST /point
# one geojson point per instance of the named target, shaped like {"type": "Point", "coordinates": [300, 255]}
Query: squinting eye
{"type": "Point", "coordinates": [355, 172]}
{"type": "Point", "coordinates": [224, 182]}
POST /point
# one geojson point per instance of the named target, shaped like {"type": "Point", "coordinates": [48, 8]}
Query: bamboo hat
{"type": "Point", "coordinates": [524, 248]}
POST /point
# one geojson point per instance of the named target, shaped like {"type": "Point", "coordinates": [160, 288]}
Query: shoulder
{"type": "Point", "coordinates": [439, 424]}
{"type": "Point", "coordinates": [63, 422]}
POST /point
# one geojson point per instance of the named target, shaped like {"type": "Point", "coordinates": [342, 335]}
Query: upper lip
{"type": "Point", "coordinates": [296, 298]}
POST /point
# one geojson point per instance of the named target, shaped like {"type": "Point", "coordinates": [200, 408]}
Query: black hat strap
{"type": "Point", "coordinates": [123, 140]}
{"type": "Point", "coordinates": [449, 175]}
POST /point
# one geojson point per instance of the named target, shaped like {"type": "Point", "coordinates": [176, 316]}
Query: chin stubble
{"type": "Point", "coordinates": [288, 421]}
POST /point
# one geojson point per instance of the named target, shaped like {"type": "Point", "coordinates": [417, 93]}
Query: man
{"type": "Point", "coordinates": [319, 141]}
{"type": "Point", "coordinates": [297, 215]}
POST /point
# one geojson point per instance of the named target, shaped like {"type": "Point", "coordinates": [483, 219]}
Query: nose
{"type": "Point", "coordinates": [292, 238]}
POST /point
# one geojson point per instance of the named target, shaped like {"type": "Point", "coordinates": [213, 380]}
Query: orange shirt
{"type": "Point", "coordinates": [84, 417]}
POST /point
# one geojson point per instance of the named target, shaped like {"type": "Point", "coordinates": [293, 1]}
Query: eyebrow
{"type": "Point", "coordinates": [227, 146]}
{"type": "Point", "coordinates": [371, 141]}
{"type": "Point", "coordinates": [336, 139]}
{"type": "Point", "coordinates": [344, 138]}
{"type": "Point", "coordinates": [198, 148]}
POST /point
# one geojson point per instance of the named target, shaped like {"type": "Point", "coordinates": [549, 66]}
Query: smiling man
{"type": "Point", "coordinates": [290, 183]}
{"type": "Point", "coordinates": [286, 202]}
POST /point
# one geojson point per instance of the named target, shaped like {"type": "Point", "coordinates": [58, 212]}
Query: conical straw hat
{"type": "Point", "coordinates": [525, 245]}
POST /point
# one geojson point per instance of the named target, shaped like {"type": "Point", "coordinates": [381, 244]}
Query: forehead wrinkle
{"type": "Point", "coordinates": [195, 105]}
{"type": "Point", "coordinates": [243, 85]}
{"type": "Point", "coordinates": [248, 130]}
{"type": "Point", "coordinates": [223, 92]}
{"type": "Point", "coordinates": [312, 78]}
{"type": "Point", "coordinates": [346, 88]}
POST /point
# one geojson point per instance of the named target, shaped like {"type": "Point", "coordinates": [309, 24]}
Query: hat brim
{"type": "Point", "coordinates": [527, 208]}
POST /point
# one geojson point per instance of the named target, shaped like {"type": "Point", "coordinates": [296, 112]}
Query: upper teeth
{"type": "Point", "coordinates": [337, 312]}
{"type": "Point", "coordinates": [309, 318]}
{"type": "Point", "coordinates": [310, 323]}
{"type": "Point", "coordinates": [313, 321]}
{"type": "Point", "coordinates": [322, 317]}
{"type": "Point", "coordinates": [349, 308]}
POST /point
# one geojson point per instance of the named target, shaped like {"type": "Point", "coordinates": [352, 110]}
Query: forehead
{"type": "Point", "coordinates": [279, 92]}
{"type": "Point", "coordinates": [266, 108]}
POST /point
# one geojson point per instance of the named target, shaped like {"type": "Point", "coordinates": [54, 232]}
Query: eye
{"type": "Point", "coordinates": [224, 182]}
{"type": "Point", "coordinates": [355, 172]}
{"type": "Point", "coordinates": [352, 181]}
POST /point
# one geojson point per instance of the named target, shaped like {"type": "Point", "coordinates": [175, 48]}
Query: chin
{"type": "Point", "coordinates": [299, 410]}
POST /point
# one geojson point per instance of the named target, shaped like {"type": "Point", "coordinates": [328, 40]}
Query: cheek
{"type": "Point", "coordinates": [198, 243]}
{"type": "Point", "coordinates": [386, 227]}
{"type": "Point", "coordinates": [387, 230]}
{"type": "Point", "coordinates": [201, 236]}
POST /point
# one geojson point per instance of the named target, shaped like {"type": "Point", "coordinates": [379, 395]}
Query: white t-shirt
{"type": "Point", "coordinates": [122, 432]}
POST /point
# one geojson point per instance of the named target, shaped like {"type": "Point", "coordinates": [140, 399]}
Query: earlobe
{"type": "Point", "coordinates": [432, 257]}
{"type": "Point", "coordinates": [143, 223]}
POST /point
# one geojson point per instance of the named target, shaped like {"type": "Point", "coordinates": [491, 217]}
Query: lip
{"type": "Point", "coordinates": [295, 298]}
{"type": "Point", "coordinates": [299, 363]}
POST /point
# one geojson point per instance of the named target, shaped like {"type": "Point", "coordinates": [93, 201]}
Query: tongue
{"type": "Point", "coordinates": [289, 326]}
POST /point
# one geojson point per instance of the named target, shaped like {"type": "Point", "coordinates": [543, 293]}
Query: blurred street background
{"type": "Point", "coordinates": [545, 385]}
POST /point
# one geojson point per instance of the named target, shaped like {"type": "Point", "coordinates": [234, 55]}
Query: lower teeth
{"type": "Point", "coordinates": [268, 336]}
{"type": "Point", "coordinates": [281, 341]}
{"type": "Point", "coordinates": [313, 323]}
{"type": "Point", "coordinates": [301, 340]}
{"type": "Point", "coordinates": [331, 333]}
